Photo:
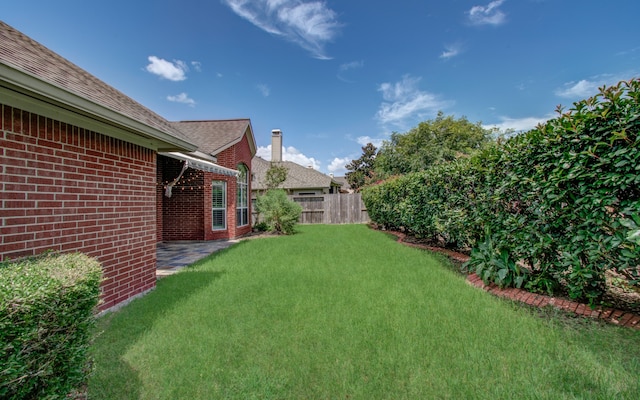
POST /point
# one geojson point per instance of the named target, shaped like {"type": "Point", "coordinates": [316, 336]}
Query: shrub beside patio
{"type": "Point", "coordinates": [47, 306]}
{"type": "Point", "coordinates": [346, 312]}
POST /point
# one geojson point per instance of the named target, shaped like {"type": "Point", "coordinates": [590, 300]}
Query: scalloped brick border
{"type": "Point", "coordinates": [610, 315]}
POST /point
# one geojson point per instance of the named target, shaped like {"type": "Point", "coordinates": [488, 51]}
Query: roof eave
{"type": "Point", "coordinates": [248, 131]}
{"type": "Point", "coordinates": [36, 95]}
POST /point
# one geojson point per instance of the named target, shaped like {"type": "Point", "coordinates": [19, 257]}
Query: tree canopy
{"type": "Point", "coordinates": [443, 139]}
{"type": "Point", "coordinates": [361, 170]}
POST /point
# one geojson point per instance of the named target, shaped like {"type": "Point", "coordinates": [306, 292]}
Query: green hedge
{"type": "Point", "coordinates": [432, 204]}
{"type": "Point", "coordinates": [562, 199]}
{"type": "Point", "coordinates": [47, 306]}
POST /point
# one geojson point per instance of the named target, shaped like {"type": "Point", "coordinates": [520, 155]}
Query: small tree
{"type": "Point", "coordinates": [280, 213]}
{"type": "Point", "coordinates": [275, 176]}
{"type": "Point", "coordinates": [361, 170]}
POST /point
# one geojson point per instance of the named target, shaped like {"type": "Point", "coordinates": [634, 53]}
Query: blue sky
{"type": "Point", "coordinates": [336, 74]}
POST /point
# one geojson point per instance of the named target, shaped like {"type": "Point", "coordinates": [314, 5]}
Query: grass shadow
{"type": "Point", "coordinates": [113, 377]}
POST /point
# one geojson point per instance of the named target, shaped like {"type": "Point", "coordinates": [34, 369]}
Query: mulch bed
{"type": "Point", "coordinates": [610, 315]}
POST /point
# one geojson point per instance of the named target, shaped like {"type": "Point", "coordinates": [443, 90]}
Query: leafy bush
{"type": "Point", "coordinates": [46, 318]}
{"type": "Point", "coordinates": [261, 226]}
{"type": "Point", "coordinates": [566, 193]}
{"type": "Point", "coordinates": [280, 214]}
{"type": "Point", "coordinates": [495, 266]}
{"type": "Point", "coordinates": [434, 204]}
{"type": "Point", "coordinates": [563, 199]}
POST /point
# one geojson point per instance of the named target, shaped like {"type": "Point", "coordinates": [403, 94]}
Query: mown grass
{"type": "Point", "coordinates": [346, 312]}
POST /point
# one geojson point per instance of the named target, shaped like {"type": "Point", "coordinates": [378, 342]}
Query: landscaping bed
{"type": "Point", "coordinates": [619, 296]}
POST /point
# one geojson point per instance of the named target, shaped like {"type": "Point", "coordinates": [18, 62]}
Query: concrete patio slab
{"type": "Point", "coordinates": [175, 255]}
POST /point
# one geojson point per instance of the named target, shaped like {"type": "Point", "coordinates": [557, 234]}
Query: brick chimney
{"type": "Point", "coordinates": [276, 145]}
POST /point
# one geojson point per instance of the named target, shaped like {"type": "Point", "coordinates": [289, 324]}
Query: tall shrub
{"type": "Point", "coordinates": [562, 199]}
{"type": "Point", "coordinates": [47, 309]}
{"type": "Point", "coordinates": [279, 213]}
{"type": "Point", "coordinates": [568, 189]}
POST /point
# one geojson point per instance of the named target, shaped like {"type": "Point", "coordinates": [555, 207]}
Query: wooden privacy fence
{"type": "Point", "coordinates": [339, 208]}
{"type": "Point", "coordinates": [342, 208]}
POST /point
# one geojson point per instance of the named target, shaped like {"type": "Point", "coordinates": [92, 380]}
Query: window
{"type": "Point", "coordinates": [219, 205]}
{"type": "Point", "coordinates": [242, 200]}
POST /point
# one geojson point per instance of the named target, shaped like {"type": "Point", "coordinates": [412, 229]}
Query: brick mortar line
{"type": "Point", "coordinates": [610, 315]}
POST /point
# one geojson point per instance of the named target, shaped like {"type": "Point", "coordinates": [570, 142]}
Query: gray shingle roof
{"type": "Point", "coordinates": [212, 137]}
{"type": "Point", "coordinates": [298, 177]}
{"type": "Point", "coordinates": [22, 53]}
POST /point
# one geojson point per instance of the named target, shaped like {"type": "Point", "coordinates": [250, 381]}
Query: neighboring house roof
{"type": "Point", "coordinates": [212, 137]}
{"type": "Point", "coordinates": [342, 181]}
{"type": "Point", "coordinates": [39, 80]}
{"type": "Point", "coordinates": [298, 177]}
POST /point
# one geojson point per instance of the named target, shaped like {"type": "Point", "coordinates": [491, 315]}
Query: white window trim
{"type": "Point", "coordinates": [223, 209]}
{"type": "Point", "coordinates": [240, 185]}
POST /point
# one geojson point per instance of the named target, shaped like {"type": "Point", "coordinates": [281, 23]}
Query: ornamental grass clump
{"type": "Point", "coordinates": [47, 306]}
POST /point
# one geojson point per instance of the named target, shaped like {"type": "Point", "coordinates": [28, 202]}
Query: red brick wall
{"type": "Point", "coordinates": [69, 189]}
{"type": "Point", "coordinates": [230, 158]}
{"type": "Point", "coordinates": [186, 215]}
{"type": "Point", "coordinates": [228, 233]}
{"type": "Point", "coordinates": [183, 212]}
{"type": "Point", "coordinates": [159, 201]}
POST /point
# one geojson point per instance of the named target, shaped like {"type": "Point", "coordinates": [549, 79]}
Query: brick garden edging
{"type": "Point", "coordinates": [610, 315]}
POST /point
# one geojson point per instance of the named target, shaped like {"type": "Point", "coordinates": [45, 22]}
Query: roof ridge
{"type": "Point", "coordinates": [211, 120]}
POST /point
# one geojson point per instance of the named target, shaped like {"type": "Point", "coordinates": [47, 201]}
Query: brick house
{"type": "Point", "coordinates": [208, 204]}
{"type": "Point", "coordinates": [83, 167]}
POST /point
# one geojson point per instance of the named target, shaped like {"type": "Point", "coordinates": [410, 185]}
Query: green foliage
{"type": "Point", "coordinates": [361, 170]}
{"type": "Point", "coordinates": [633, 224]}
{"type": "Point", "coordinates": [275, 176]}
{"type": "Point", "coordinates": [495, 266]}
{"type": "Point", "coordinates": [436, 204]}
{"type": "Point", "coordinates": [47, 309]}
{"type": "Point", "coordinates": [562, 199]}
{"type": "Point", "coordinates": [261, 226]}
{"type": "Point", "coordinates": [382, 202]}
{"type": "Point", "coordinates": [280, 214]}
{"type": "Point", "coordinates": [431, 142]}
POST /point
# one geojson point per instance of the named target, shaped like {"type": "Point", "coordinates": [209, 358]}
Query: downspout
{"type": "Point", "coordinates": [167, 190]}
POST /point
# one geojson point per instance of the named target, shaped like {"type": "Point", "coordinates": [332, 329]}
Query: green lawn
{"type": "Point", "coordinates": [345, 312]}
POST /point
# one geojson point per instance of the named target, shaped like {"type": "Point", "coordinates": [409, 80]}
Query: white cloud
{"type": "Point", "coordinates": [404, 102]}
{"type": "Point", "coordinates": [173, 71]}
{"type": "Point", "coordinates": [346, 67]}
{"type": "Point", "coordinates": [338, 165]}
{"type": "Point", "coordinates": [264, 152]}
{"type": "Point", "coordinates": [197, 65]}
{"type": "Point", "coordinates": [289, 154]}
{"type": "Point", "coordinates": [450, 51]}
{"type": "Point", "coordinates": [519, 124]}
{"type": "Point", "coordinates": [582, 89]}
{"type": "Point", "coordinates": [628, 52]}
{"type": "Point", "coordinates": [586, 88]}
{"type": "Point", "coordinates": [487, 15]}
{"type": "Point", "coordinates": [264, 89]}
{"type": "Point", "coordinates": [364, 140]}
{"type": "Point", "coordinates": [182, 98]}
{"type": "Point", "coordinates": [309, 24]}
{"type": "Point", "coordinates": [351, 65]}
